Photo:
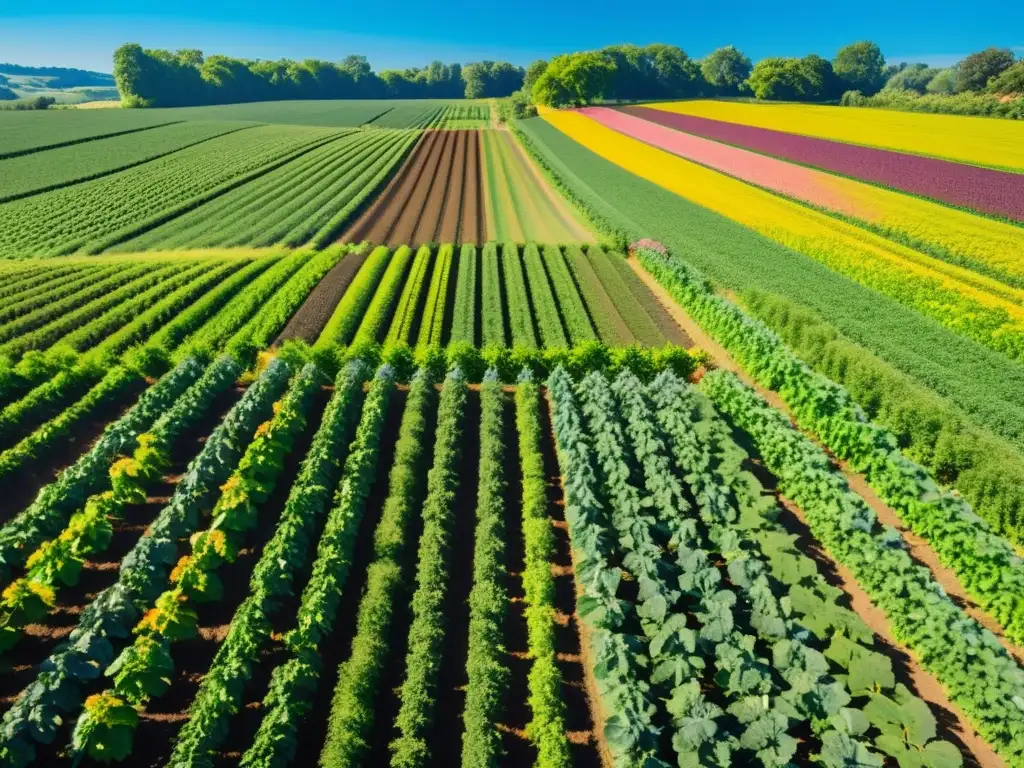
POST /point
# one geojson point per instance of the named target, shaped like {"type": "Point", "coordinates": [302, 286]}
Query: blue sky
{"type": "Point", "coordinates": [400, 33]}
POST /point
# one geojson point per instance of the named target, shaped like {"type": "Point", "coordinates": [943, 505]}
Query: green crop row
{"type": "Point", "coordinates": [349, 313]}
{"type": "Point", "coordinates": [486, 668]}
{"type": "Point", "coordinates": [144, 669]}
{"type": "Point", "coordinates": [432, 322]}
{"type": "Point", "coordinates": [407, 311]}
{"type": "Point", "coordinates": [57, 692]}
{"type": "Point", "coordinates": [519, 314]}
{"type": "Point", "coordinates": [284, 557]}
{"type": "Point", "coordinates": [378, 312]}
{"type": "Point", "coordinates": [101, 213]}
{"type": "Point", "coordinates": [574, 314]}
{"type": "Point", "coordinates": [426, 634]}
{"type": "Point", "coordinates": [492, 314]}
{"type": "Point", "coordinates": [545, 308]}
{"type": "Point", "coordinates": [59, 561]}
{"type": "Point", "coordinates": [600, 307]}
{"type": "Point", "coordinates": [546, 728]}
{"type": "Point", "coordinates": [465, 309]}
{"type": "Point", "coordinates": [977, 673]}
{"type": "Point", "coordinates": [986, 566]}
{"type": "Point", "coordinates": [387, 582]}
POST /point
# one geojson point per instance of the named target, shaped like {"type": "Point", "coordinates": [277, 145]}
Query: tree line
{"type": "Point", "coordinates": [160, 78]}
{"type": "Point", "coordinates": [631, 72]}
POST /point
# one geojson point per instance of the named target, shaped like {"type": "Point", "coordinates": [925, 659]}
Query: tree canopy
{"type": "Point", "coordinates": [913, 77]}
{"type": "Point", "coordinates": [808, 79]}
{"type": "Point", "coordinates": [726, 69]}
{"type": "Point", "coordinates": [861, 67]}
{"type": "Point", "coordinates": [979, 68]}
{"type": "Point", "coordinates": [574, 79]}
{"type": "Point", "coordinates": [159, 78]}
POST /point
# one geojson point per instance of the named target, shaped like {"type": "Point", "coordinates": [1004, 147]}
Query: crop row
{"type": "Point", "coordinates": [986, 566]}
{"type": "Point", "coordinates": [770, 672]}
{"type": "Point", "coordinates": [979, 675]}
{"type": "Point", "coordinates": [956, 183]}
{"type": "Point", "coordinates": [305, 200]}
{"type": "Point", "coordinates": [738, 259]}
{"type": "Point", "coordinates": [975, 242]}
{"type": "Point", "coordinates": [96, 215]}
{"type": "Point", "coordinates": [57, 693]}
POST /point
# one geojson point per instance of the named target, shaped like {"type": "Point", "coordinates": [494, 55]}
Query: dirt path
{"type": "Point", "coordinates": [316, 310]}
{"type": "Point", "coordinates": [927, 687]}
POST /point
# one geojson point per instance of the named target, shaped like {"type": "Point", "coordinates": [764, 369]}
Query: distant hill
{"type": "Point", "coordinates": [60, 77]}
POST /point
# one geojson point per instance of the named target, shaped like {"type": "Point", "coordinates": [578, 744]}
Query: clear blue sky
{"type": "Point", "coordinates": [400, 33]}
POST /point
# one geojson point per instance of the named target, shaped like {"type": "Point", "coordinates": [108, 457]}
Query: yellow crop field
{"type": "Point", "coordinates": [971, 304]}
{"type": "Point", "coordinates": [976, 140]}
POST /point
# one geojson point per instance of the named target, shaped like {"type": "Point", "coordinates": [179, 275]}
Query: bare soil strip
{"type": "Point", "coordinates": [408, 218]}
{"type": "Point", "coordinates": [473, 227]}
{"type": "Point", "coordinates": [448, 223]}
{"type": "Point", "coordinates": [316, 310]}
{"type": "Point", "coordinates": [406, 229]}
{"type": "Point", "coordinates": [922, 682]}
{"type": "Point", "coordinates": [376, 221]}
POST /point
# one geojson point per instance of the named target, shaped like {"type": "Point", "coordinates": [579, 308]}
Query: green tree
{"type": "Point", "coordinates": [574, 79]}
{"type": "Point", "coordinates": [1011, 81]}
{"type": "Point", "coordinates": [725, 69]}
{"type": "Point", "coordinates": [978, 68]}
{"type": "Point", "coordinates": [944, 81]}
{"type": "Point", "coordinates": [534, 71]}
{"type": "Point", "coordinates": [783, 79]}
{"type": "Point", "coordinates": [913, 77]}
{"type": "Point", "coordinates": [861, 67]}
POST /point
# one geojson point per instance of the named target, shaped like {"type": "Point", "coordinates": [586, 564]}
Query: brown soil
{"type": "Point", "coordinates": [316, 310]}
{"type": "Point", "coordinates": [19, 489]}
{"type": "Point", "coordinates": [473, 226]}
{"type": "Point", "coordinates": [434, 197]}
{"type": "Point", "coordinates": [579, 690]}
{"type": "Point", "coordinates": [953, 724]}
{"type": "Point", "coordinates": [418, 219]}
{"type": "Point", "coordinates": [336, 647]}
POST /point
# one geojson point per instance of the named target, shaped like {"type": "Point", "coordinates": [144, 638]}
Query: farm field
{"type": "Point", "coordinates": [386, 433]}
{"type": "Point", "coordinates": [944, 176]}
{"type": "Point", "coordinates": [289, 505]}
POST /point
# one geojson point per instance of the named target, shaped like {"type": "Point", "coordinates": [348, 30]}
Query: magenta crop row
{"type": "Point", "coordinates": [997, 193]}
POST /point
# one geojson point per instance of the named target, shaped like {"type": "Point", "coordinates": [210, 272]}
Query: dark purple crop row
{"type": "Point", "coordinates": [981, 189]}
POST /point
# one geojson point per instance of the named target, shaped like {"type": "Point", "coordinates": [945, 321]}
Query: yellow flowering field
{"type": "Point", "coordinates": [976, 140]}
{"type": "Point", "coordinates": [971, 304]}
